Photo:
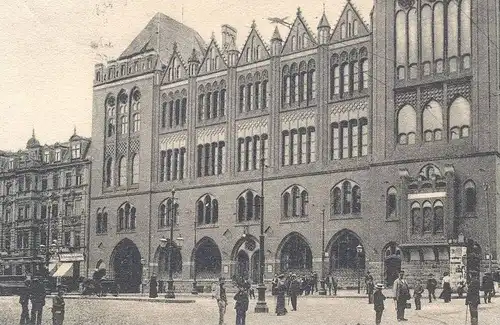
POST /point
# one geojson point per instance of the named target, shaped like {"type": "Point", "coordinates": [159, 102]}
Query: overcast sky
{"type": "Point", "coordinates": [50, 48]}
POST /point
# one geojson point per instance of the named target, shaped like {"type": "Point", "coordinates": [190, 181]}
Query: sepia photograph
{"type": "Point", "coordinates": [249, 162]}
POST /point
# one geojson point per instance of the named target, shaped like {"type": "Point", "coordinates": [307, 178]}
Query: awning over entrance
{"type": "Point", "coordinates": [64, 270]}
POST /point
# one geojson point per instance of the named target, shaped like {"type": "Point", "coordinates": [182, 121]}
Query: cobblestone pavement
{"type": "Point", "coordinates": [335, 311]}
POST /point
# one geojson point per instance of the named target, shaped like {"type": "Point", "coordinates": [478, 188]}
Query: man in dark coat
{"type": "Point", "coordinates": [280, 296]}
{"type": "Point", "coordinates": [401, 295]}
{"type": "Point", "coordinates": [378, 303]}
{"type": "Point", "coordinates": [417, 295]}
{"type": "Point", "coordinates": [488, 286]}
{"type": "Point", "coordinates": [368, 278]}
{"type": "Point", "coordinates": [473, 299]}
{"type": "Point", "coordinates": [58, 307]}
{"type": "Point", "coordinates": [370, 286]}
{"type": "Point", "coordinates": [314, 282]}
{"type": "Point", "coordinates": [431, 287]}
{"type": "Point", "coordinates": [294, 291]}
{"type": "Point", "coordinates": [24, 297]}
{"type": "Point", "coordinates": [241, 305]}
{"type": "Point", "coordinates": [37, 298]}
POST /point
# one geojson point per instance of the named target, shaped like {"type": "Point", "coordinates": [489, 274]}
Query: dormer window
{"type": "Point", "coordinates": [58, 155]}
{"type": "Point", "coordinates": [75, 150]}
{"type": "Point", "coordinates": [46, 157]}
{"type": "Point", "coordinates": [11, 164]}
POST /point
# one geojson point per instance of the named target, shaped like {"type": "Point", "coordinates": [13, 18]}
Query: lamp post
{"type": "Point", "coordinates": [486, 189]}
{"type": "Point", "coordinates": [322, 291]}
{"type": "Point", "coordinates": [359, 250]}
{"type": "Point", "coordinates": [194, 291]}
{"type": "Point", "coordinates": [261, 305]}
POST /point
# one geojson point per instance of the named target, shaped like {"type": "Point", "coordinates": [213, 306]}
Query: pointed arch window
{"type": "Point", "coordinates": [135, 169]}
{"type": "Point", "coordinates": [452, 37]}
{"type": "Point", "coordinates": [413, 42]}
{"type": "Point", "coordinates": [438, 26]}
{"type": "Point", "coordinates": [428, 217]}
{"type": "Point", "coordinates": [407, 125]}
{"type": "Point", "coordinates": [459, 119]}
{"type": "Point", "coordinates": [401, 53]}
{"type": "Point", "coordinates": [335, 83]}
{"type": "Point", "coordinates": [465, 33]}
{"type": "Point", "coordinates": [432, 122]}
{"type": "Point", "coordinates": [345, 199]}
{"type": "Point", "coordinates": [438, 217]}
{"type": "Point", "coordinates": [122, 171]}
{"type": "Point", "coordinates": [126, 217]}
{"type": "Point", "coordinates": [295, 201]}
{"type": "Point", "coordinates": [207, 210]}
{"type": "Point", "coordinates": [470, 197]}
{"type": "Point", "coordinates": [109, 173]}
{"type": "Point", "coordinates": [416, 218]}
{"type": "Point", "coordinates": [248, 206]}
{"type": "Point", "coordinates": [345, 79]}
{"type": "Point", "coordinates": [168, 213]}
{"type": "Point", "coordinates": [392, 203]}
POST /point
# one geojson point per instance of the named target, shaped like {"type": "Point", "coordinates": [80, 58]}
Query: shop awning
{"type": "Point", "coordinates": [64, 270]}
{"type": "Point", "coordinates": [71, 257]}
{"type": "Point", "coordinates": [52, 267]}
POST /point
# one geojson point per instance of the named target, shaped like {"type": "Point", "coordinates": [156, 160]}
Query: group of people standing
{"type": "Point", "coordinates": [34, 292]}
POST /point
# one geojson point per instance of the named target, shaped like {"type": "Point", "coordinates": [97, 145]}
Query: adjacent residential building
{"type": "Point", "coordinates": [387, 131]}
{"type": "Point", "coordinates": [44, 204]}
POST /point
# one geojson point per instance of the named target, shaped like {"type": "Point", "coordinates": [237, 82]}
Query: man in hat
{"type": "Point", "coordinates": [241, 305]}
{"type": "Point", "coordinates": [473, 298]}
{"type": "Point", "coordinates": [378, 303]}
{"type": "Point", "coordinates": [431, 287]}
{"type": "Point", "coordinates": [58, 307]}
{"type": "Point", "coordinates": [401, 295]}
{"type": "Point", "coordinates": [488, 287]}
{"type": "Point", "coordinates": [24, 296]}
{"type": "Point", "coordinates": [219, 293]}
{"type": "Point", "coordinates": [37, 297]}
{"type": "Point", "coordinates": [294, 291]}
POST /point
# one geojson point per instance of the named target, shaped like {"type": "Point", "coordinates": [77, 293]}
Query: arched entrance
{"type": "Point", "coordinates": [161, 268]}
{"type": "Point", "coordinates": [295, 254]}
{"type": "Point", "coordinates": [392, 262]}
{"type": "Point", "coordinates": [126, 266]}
{"type": "Point", "coordinates": [344, 261]}
{"type": "Point", "coordinates": [207, 259]}
{"type": "Point", "coordinates": [245, 257]}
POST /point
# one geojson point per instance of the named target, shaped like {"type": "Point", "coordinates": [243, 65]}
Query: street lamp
{"type": "Point", "coordinates": [194, 291]}
{"type": "Point", "coordinates": [322, 291]}
{"type": "Point", "coordinates": [261, 305]}
{"type": "Point", "coordinates": [359, 250]}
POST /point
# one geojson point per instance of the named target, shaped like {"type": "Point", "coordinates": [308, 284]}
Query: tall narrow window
{"type": "Point", "coordinates": [137, 123]}
{"type": "Point", "coordinates": [164, 115]}
{"type": "Point", "coordinates": [432, 122]}
{"type": "Point", "coordinates": [413, 42]}
{"type": "Point", "coordinates": [344, 130]}
{"type": "Point", "coordinates": [122, 171]}
{"type": "Point", "coordinates": [302, 151]}
{"type": "Point", "coordinates": [365, 81]}
{"type": "Point", "coordinates": [222, 108]}
{"type": "Point", "coordinates": [345, 79]}
{"type": "Point", "coordinates": [391, 203]}
{"type": "Point", "coordinates": [426, 41]}
{"type": "Point", "coordinates": [183, 111]}
{"type": "Point", "coordinates": [364, 136]}
{"type": "Point", "coordinates": [242, 98]}
{"type": "Point", "coordinates": [452, 37]}
{"type": "Point", "coordinates": [465, 33]}
{"type": "Point", "coordinates": [407, 125]}
{"type": "Point", "coordinates": [416, 218]}
{"type": "Point", "coordinates": [346, 197]}
{"type": "Point", "coordinates": [109, 173]}
{"type": "Point", "coordinates": [294, 144]}
{"type": "Point", "coordinates": [438, 217]}
{"type": "Point", "coordinates": [336, 80]}
{"type": "Point", "coordinates": [459, 118]}
{"type": "Point", "coordinates": [335, 151]}
{"type": "Point", "coordinates": [264, 94]}
{"type": "Point", "coordinates": [354, 138]}
{"type": "Point", "coordinates": [438, 36]}
{"type": "Point", "coordinates": [400, 31]}
{"type": "Point", "coordinates": [428, 217]}
{"type": "Point", "coordinates": [135, 169]}
{"type": "Point", "coordinates": [470, 197]}
{"type": "Point", "coordinates": [285, 148]}
{"type": "Point", "coordinates": [355, 76]}
{"type": "Point", "coordinates": [311, 145]}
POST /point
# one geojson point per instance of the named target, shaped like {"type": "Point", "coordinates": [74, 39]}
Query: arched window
{"type": "Point", "coordinates": [349, 23]}
{"type": "Point", "coordinates": [459, 119]}
{"type": "Point", "coordinates": [438, 36]}
{"type": "Point", "coordinates": [104, 222]}
{"type": "Point", "coordinates": [407, 125]}
{"type": "Point", "coordinates": [392, 203]}
{"type": "Point", "coordinates": [248, 206]}
{"type": "Point", "coordinates": [122, 171]}
{"type": "Point", "coordinates": [470, 197]}
{"type": "Point", "coordinates": [126, 217]}
{"type": "Point", "coordinates": [432, 121]}
{"type": "Point", "coordinates": [413, 42]}
{"type": "Point", "coordinates": [426, 40]}
{"type": "Point", "coordinates": [207, 210]}
{"type": "Point", "coordinates": [428, 217]}
{"type": "Point", "coordinates": [109, 172]}
{"type": "Point", "coordinates": [286, 85]}
{"type": "Point", "coordinates": [294, 43]}
{"type": "Point", "coordinates": [123, 125]}
{"type": "Point", "coordinates": [335, 88]}
{"type": "Point", "coordinates": [135, 169]}
{"type": "Point", "coordinates": [343, 32]}
{"type": "Point", "coordinates": [345, 79]}
{"type": "Point", "coordinates": [295, 201]}
{"type": "Point", "coordinates": [241, 208]}
{"type": "Point", "coordinates": [438, 217]}
{"type": "Point", "coordinates": [336, 199]}
{"type": "Point", "coordinates": [365, 81]}
{"type": "Point", "coordinates": [465, 33]}
{"type": "Point", "coordinates": [416, 218]}
{"type": "Point", "coordinates": [452, 37]}
{"type": "Point", "coordinates": [345, 198]}
{"type": "Point", "coordinates": [311, 80]}
{"type": "Point", "coordinates": [400, 31]}
{"type": "Point", "coordinates": [98, 222]}
{"type": "Point", "coordinates": [356, 199]}
{"type": "Point", "coordinates": [168, 212]}
{"type": "Point", "coordinates": [137, 122]}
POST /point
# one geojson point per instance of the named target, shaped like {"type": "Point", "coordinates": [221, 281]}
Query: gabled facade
{"type": "Point", "coordinates": [382, 141]}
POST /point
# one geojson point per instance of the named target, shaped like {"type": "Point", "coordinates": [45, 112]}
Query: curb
{"type": "Point", "coordinates": [137, 299]}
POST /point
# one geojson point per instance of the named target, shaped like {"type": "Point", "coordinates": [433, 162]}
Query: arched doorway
{"type": "Point", "coordinates": [161, 259]}
{"type": "Point", "coordinates": [127, 268]}
{"type": "Point", "coordinates": [344, 261]}
{"type": "Point", "coordinates": [245, 257]}
{"type": "Point", "coordinates": [295, 254]}
{"type": "Point", "coordinates": [207, 259]}
{"type": "Point", "coordinates": [392, 262]}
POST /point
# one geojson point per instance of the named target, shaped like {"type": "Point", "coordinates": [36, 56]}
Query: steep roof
{"type": "Point", "coordinates": [170, 31]}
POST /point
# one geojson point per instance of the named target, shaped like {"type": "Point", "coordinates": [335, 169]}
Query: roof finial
{"type": "Point", "coordinates": [74, 129]}
{"type": "Point", "coordinates": [175, 46]}
{"type": "Point", "coordinates": [33, 133]}
{"type": "Point", "coordinates": [213, 35]}
{"type": "Point", "coordinates": [299, 12]}
{"type": "Point", "coordinates": [253, 24]}
{"type": "Point", "coordinates": [324, 8]}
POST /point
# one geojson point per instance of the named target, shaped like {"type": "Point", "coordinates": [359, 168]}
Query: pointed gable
{"type": "Point", "coordinates": [350, 25]}
{"type": "Point", "coordinates": [160, 34]}
{"type": "Point", "coordinates": [300, 36]}
{"type": "Point", "coordinates": [176, 67]}
{"type": "Point", "coordinates": [254, 49]}
{"type": "Point", "coordinates": [213, 59]}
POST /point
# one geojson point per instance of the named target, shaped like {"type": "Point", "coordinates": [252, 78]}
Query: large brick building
{"type": "Point", "coordinates": [389, 131]}
{"type": "Point", "coordinates": [44, 204]}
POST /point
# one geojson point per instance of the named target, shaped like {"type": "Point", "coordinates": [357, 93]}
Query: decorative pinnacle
{"type": "Point", "coordinates": [253, 24]}
{"type": "Point", "coordinates": [33, 133]}
{"type": "Point", "coordinates": [175, 46]}
{"type": "Point", "coordinates": [299, 11]}
{"type": "Point", "coordinates": [74, 129]}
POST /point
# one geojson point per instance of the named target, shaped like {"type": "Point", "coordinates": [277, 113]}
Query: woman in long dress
{"type": "Point", "coordinates": [280, 296]}
{"type": "Point", "coordinates": [446, 293]}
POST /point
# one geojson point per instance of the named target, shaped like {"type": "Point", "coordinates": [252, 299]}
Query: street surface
{"type": "Point", "coordinates": [316, 311]}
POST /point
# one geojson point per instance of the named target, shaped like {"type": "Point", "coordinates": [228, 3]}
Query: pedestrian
{"type": "Point", "coordinates": [368, 277]}
{"type": "Point", "coordinates": [280, 296]}
{"type": "Point", "coordinates": [446, 293]}
{"type": "Point", "coordinates": [335, 285]}
{"type": "Point", "coordinates": [431, 287]}
{"type": "Point", "coordinates": [294, 291]}
{"type": "Point", "coordinates": [417, 295]}
{"type": "Point", "coordinates": [378, 303]}
{"type": "Point", "coordinates": [241, 305]}
{"type": "Point", "coordinates": [401, 295]}
{"type": "Point", "coordinates": [58, 307]}
{"type": "Point", "coordinates": [153, 287]}
{"type": "Point", "coordinates": [461, 288]}
{"type": "Point", "coordinates": [274, 285]}
{"type": "Point", "coordinates": [488, 286]}
{"type": "Point", "coordinates": [219, 293]}
{"type": "Point", "coordinates": [370, 286]}
{"type": "Point", "coordinates": [37, 297]}
{"type": "Point", "coordinates": [24, 297]}
{"type": "Point", "coordinates": [314, 282]}
{"type": "Point", "coordinates": [473, 298]}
